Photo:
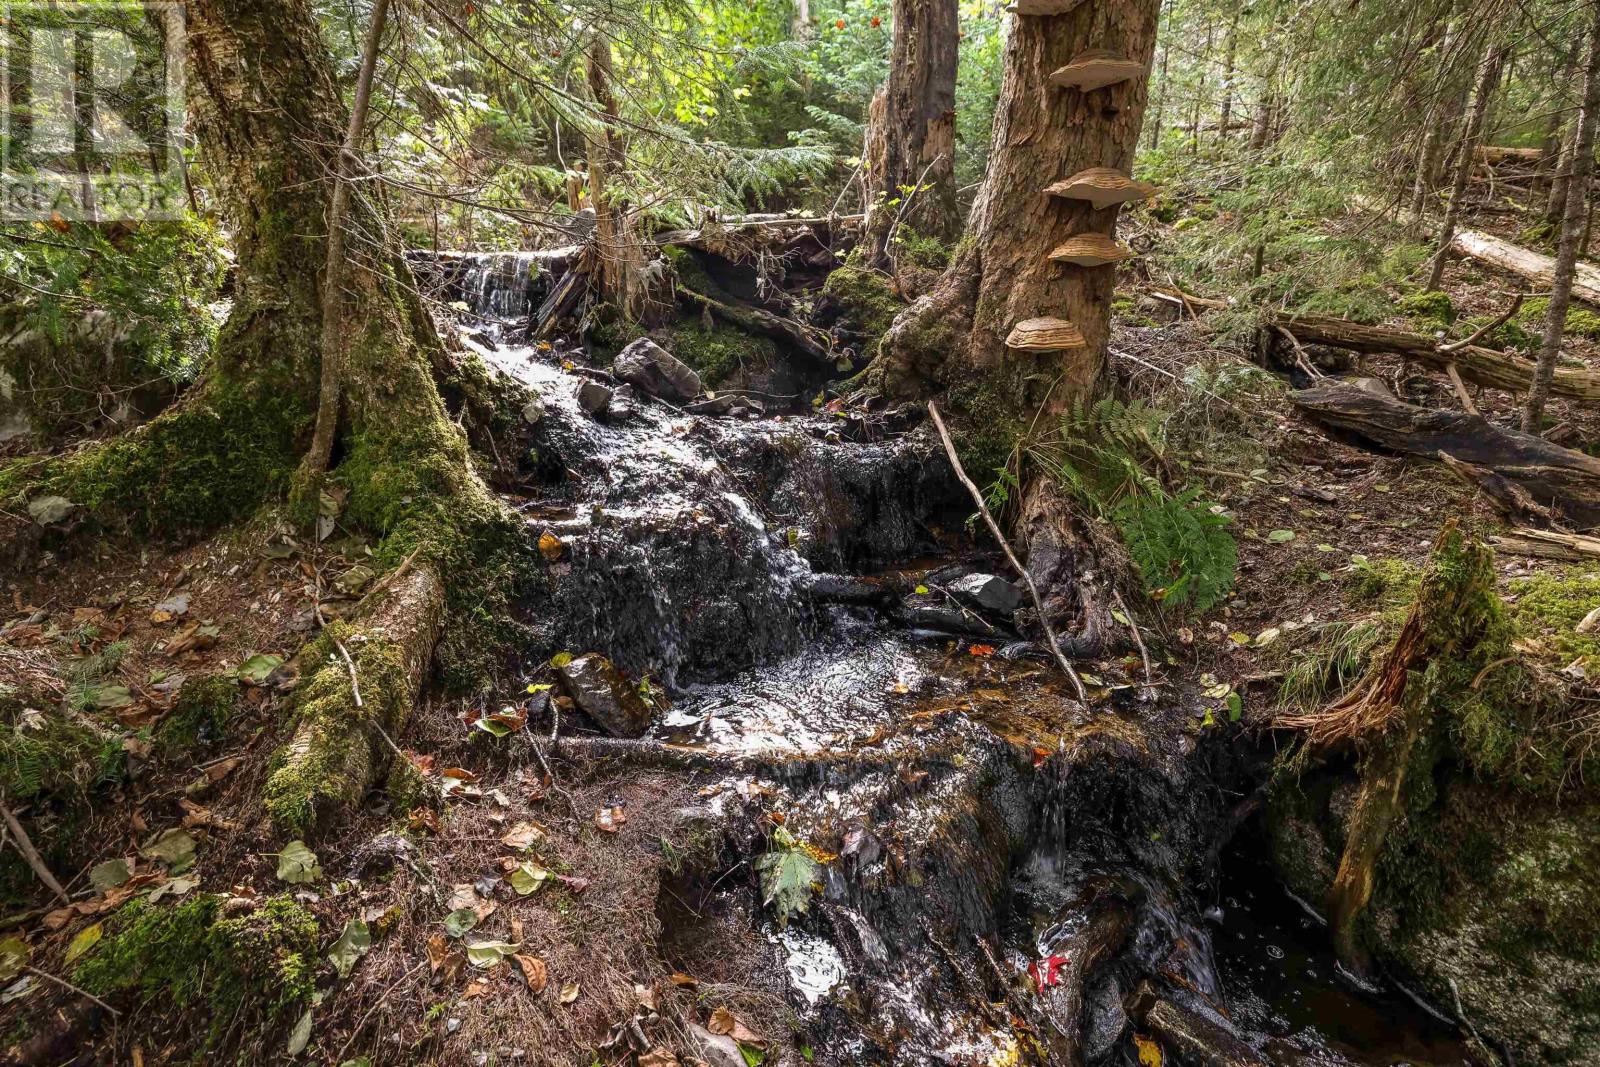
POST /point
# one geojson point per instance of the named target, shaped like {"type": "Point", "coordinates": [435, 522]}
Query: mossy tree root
{"type": "Point", "coordinates": [344, 741]}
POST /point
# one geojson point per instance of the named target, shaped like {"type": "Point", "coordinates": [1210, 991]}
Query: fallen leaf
{"type": "Point", "coordinates": [475, 989]}
{"type": "Point", "coordinates": [458, 922]}
{"type": "Point", "coordinates": [423, 818]}
{"type": "Point", "coordinates": [534, 972]}
{"type": "Point", "coordinates": [658, 1057]}
{"type": "Point", "coordinates": [528, 878]}
{"type": "Point", "coordinates": [1046, 972]}
{"type": "Point", "coordinates": [1149, 1051]}
{"type": "Point", "coordinates": [569, 992]}
{"type": "Point", "coordinates": [109, 875]}
{"type": "Point", "coordinates": [254, 671]}
{"type": "Point", "coordinates": [980, 650]}
{"type": "Point", "coordinates": [438, 949]}
{"type": "Point", "coordinates": [611, 819]}
{"type": "Point", "coordinates": [14, 956]}
{"type": "Point", "coordinates": [680, 979]}
{"type": "Point", "coordinates": [174, 847]}
{"type": "Point", "coordinates": [551, 546]}
{"type": "Point", "coordinates": [1279, 537]}
{"type": "Point", "coordinates": [487, 954]}
{"type": "Point", "coordinates": [354, 942]}
{"type": "Point", "coordinates": [82, 942]}
{"type": "Point", "coordinates": [724, 1023]}
{"type": "Point", "coordinates": [523, 835]}
{"type": "Point", "coordinates": [297, 864]}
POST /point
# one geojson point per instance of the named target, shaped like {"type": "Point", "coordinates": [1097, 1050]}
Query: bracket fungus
{"type": "Point", "coordinates": [1045, 334]}
{"type": "Point", "coordinates": [1096, 69]}
{"type": "Point", "coordinates": [1102, 187]}
{"type": "Point", "coordinates": [1091, 250]}
{"type": "Point", "coordinates": [1046, 7]}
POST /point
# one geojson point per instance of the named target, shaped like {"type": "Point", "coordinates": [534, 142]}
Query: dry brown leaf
{"type": "Point", "coordinates": [475, 989]}
{"type": "Point", "coordinates": [679, 978]}
{"type": "Point", "coordinates": [423, 818]}
{"type": "Point", "coordinates": [724, 1022]}
{"type": "Point", "coordinates": [523, 835]}
{"type": "Point", "coordinates": [658, 1057]}
{"type": "Point", "coordinates": [438, 949]}
{"type": "Point", "coordinates": [222, 768]}
{"type": "Point", "coordinates": [516, 930]}
{"type": "Point", "coordinates": [462, 895]}
{"type": "Point", "coordinates": [536, 974]}
{"type": "Point", "coordinates": [569, 992]}
{"type": "Point", "coordinates": [611, 819]}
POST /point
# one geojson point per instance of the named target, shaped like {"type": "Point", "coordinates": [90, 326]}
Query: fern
{"type": "Point", "coordinates": [1109, 455]}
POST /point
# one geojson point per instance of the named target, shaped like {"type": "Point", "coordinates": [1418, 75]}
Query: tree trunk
{"type": "Point", "coordinates": [619, 254]}
{"type": "Point", "coordinates": [910, 141]}
{"type": "Point", "coordinates": [1003, 273]}
{"type": "Point", "coordinates": [1230, 54]}
{"type": "Point", "coordinates": [1550, 144]}
{"type": "Point", "coordinates": [1162, 89]}
{"type": "Point", "coordinates": [1200, 91]}
{"type": "Point", "coordinates": [1466, 155]}
{"type": "Point", "coordinates": [1571, 234]}
{"type": "Point", "coordinates": [1440, 116]}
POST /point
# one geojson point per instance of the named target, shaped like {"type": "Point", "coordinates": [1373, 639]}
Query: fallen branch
{"type": "Point", "coordinates": [1547, 544]}
{"type": "Point", "coordinates": [1195, 1038]}
{"type": "Point", "coordinates": [994, 528]}
{"type": "Point", "coordinates": [755, 320]}
{"type": "Point", "coordinates": [24, 843]}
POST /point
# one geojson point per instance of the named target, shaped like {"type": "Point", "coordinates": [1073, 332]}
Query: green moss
{"type": "Point", "coordinates": [916, 250]}
{"type": "Point", "coordinates": [990, 426]}
{"type": "Point", "coordinates": [1430, 310]}
{"type": "Point", "coordinates": [1581, 322]}
{"type": "Point", "coordinates": [1386, 583]}
{"type": "Point", "coordinates": [719, 352]}
{"type": "Point", "coordinates": [200, 716]}
{"type": "Point", "coordinates": [1546, 609]}
{"type": "Point", "coordinates": [868, 303]}
{"type": "Point", "coordinates": [1509, 334]}
{"type": "Point", "coordinates": [193, 956]}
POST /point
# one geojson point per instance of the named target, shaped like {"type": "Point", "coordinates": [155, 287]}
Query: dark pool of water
{"type": "Point", "coordinates": [1286, 991]}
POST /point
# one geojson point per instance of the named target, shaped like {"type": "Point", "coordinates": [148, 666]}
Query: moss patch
{"type": "Point", "coordinates": [258, 966]}
{"type": "Point", "coordinates": [200, 716]}
{"type": "Point", "coordinates": [868, 304]}
{"type": "Point", "coordinates": [718, 353]}
{"type": "Point", "coordinates": [1429, 310]}
{"type": "Point", "coordinates": [1581, 322]}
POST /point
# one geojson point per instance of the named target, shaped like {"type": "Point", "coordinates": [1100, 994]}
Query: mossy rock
{"type": "Point", "coordinates": [1581, 322]}
{"type": "Point", "coordinates": [866, 302]}
{"type": "Point", "coordinates": [1429, 310]}
{"type": "Point", "coordinates": [200, 956]}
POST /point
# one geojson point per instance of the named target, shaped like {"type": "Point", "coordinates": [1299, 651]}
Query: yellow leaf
{"type": "Point", "coordinates": [1149, 1051]}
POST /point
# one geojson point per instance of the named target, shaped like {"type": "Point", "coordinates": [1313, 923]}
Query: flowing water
{"type": "Point", "coordinates": [782, 579]}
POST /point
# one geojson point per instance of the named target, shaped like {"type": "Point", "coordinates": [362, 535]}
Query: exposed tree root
{"type": "Point", "coordinates": [334, 756]}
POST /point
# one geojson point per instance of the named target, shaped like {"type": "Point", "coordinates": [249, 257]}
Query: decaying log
{"type": "Point", "coordinates": [1509, 497]}
{"type": "Point", "coordinates": [1496, 154]}
{"type": "Point", "coordinates": [1534, 266]}
{"type": "Point", "coordinates": [1561, 479]}
{"type": "Point", "coordinates": [755, 320]}
{"type": "Point", "coordinates": [1481, 366]}
{"type": "Point", "coordinates": [1194, 1038]}
{"type": "Point", "coordinates": [1547, 544]}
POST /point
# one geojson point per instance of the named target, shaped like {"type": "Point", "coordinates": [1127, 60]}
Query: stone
{"type": "Point", "coordinates": [718, 1050]}
{"type": "Point", "coordinates": [988, 593]}
{"type": "Point", "coordinates": [533, 411]}
{"type": "Point", "coordinates": [593, 397]}
{"type": "Point", "coordinates": [603, 694]}
{"type": "Point", "coordinates": [649, 367]}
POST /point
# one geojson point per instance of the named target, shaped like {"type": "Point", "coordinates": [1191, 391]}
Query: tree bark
{"type": "Point", "coordinates": [910, 140]}
{"type": "Point", "coordinates": [1230, 54]}
{"type": "Point", "coordinates": [619, 254]}
{"type": "Point", "coordinates": [1163, 88]}
{"type": "Point", "coordinates": [334, 337]}
{"type": "Point", "coordinates": [1002, 273]}
{"type": "Point", "coordinates": [1466, 155]}
{"type": "Point", "coordinates": [1551, 143]}
{"type": "Point", "coordinates": [1440, 116]}
{"type": "Point", "coordinates": [1571, 234]}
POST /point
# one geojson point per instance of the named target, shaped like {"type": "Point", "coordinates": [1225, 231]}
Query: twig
{"type": "Point", "coordinates": [362, 1023]}
{"type": "Point", "coordinates": [1138, 639]}
{"type": "Point", "coordinates": [63, 983]}
{"type": "Point", "coordinates": [1468, 342]}
{"type": "Point", "coordinates": [1300, 358]}
{"type": "Point", "coordinates": [24, 845]}
{"type": "Point", "coordinates": [350, 665]}
{"type": "Point", "coordinates": [994, 528]}
{"type": "Point", "coordinates": [1460, 387]}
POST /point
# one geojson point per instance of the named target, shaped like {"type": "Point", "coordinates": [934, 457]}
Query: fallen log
{"type": "Point", "coordinates": [1565, 481]}
{"type": "Point", "coordinates": [1524, 262]}
{"type": "Point", "coordinates": [1547, 544]}
{"type": "Point", "coordinates": [754, 320]}
{"type": "Point", "coordinates": [1476, 364]}
{"type": "Point", "coordinates": [1496, 154]}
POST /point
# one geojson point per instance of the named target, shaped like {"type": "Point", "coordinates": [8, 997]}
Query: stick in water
{"type": "Point", "coordinates": [994, 528]}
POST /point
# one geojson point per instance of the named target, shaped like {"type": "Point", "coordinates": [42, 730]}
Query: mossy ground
{"type": "Point", "coordinates": [253, 969]}
{"type": "Point", "coordinates": [868, 303]}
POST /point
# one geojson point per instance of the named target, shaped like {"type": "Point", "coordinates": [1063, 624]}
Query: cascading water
{"type": "Point", "coordinates": [981, 826]}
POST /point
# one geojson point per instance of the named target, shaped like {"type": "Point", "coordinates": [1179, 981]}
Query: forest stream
{"type": "Point", "coordinates": [990, 826]}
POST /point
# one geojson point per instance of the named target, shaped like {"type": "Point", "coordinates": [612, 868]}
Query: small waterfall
{"type": "Point", "coordinates": [497, 286]}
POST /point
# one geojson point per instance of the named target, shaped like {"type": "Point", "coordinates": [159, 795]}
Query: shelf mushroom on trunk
{"type": "Point", "coordinates": [1096, 69]}
{"type": "Point", "coordinates": [1101, 187]}
{"type": "Point", "coordinates": [1045, 334]}
{"type": "Point", "coordinates": [1091, 250]}
{"type": "Point", "coordinates": [1046, 7]}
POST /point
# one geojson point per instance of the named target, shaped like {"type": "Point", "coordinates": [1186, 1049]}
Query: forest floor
{"type": "Point", "coordinates": [626, 936]}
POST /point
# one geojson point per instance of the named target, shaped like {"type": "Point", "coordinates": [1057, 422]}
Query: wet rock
{"type": "Point", "coordinates": [647, 366]}
{"type": "Point", "coordinates": [843, 589]}
{"type": "Point", "coordinates": [600, 691]}
{"type": "Point", "coordinates": [593, 397]}
{"type": "Point", "coordinates": [945, 618]}
{"type": "Point", "coordinates": [988, 593]}
{"type": "Point", "coordinates": [729, 404]}
{"type": "Point", "coordinates": [1104, 1019]}
{"type": "Point", "coordinates": [533, 410]}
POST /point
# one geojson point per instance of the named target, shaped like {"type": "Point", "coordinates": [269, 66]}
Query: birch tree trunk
{"type": "Point", "coordinates": [1571, 234]}
{"type": "Point", "coordinates": [910, 141]}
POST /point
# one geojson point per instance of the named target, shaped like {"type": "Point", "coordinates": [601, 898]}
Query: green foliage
{"type": "Point", "coordinates": [788, 873]}
{"type": "Point", "coordinates": [50, 755]}
{"type": "Point", "coordinates": [200, 716]}
{"type": "Point", "coordinates": [1178, 541]}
